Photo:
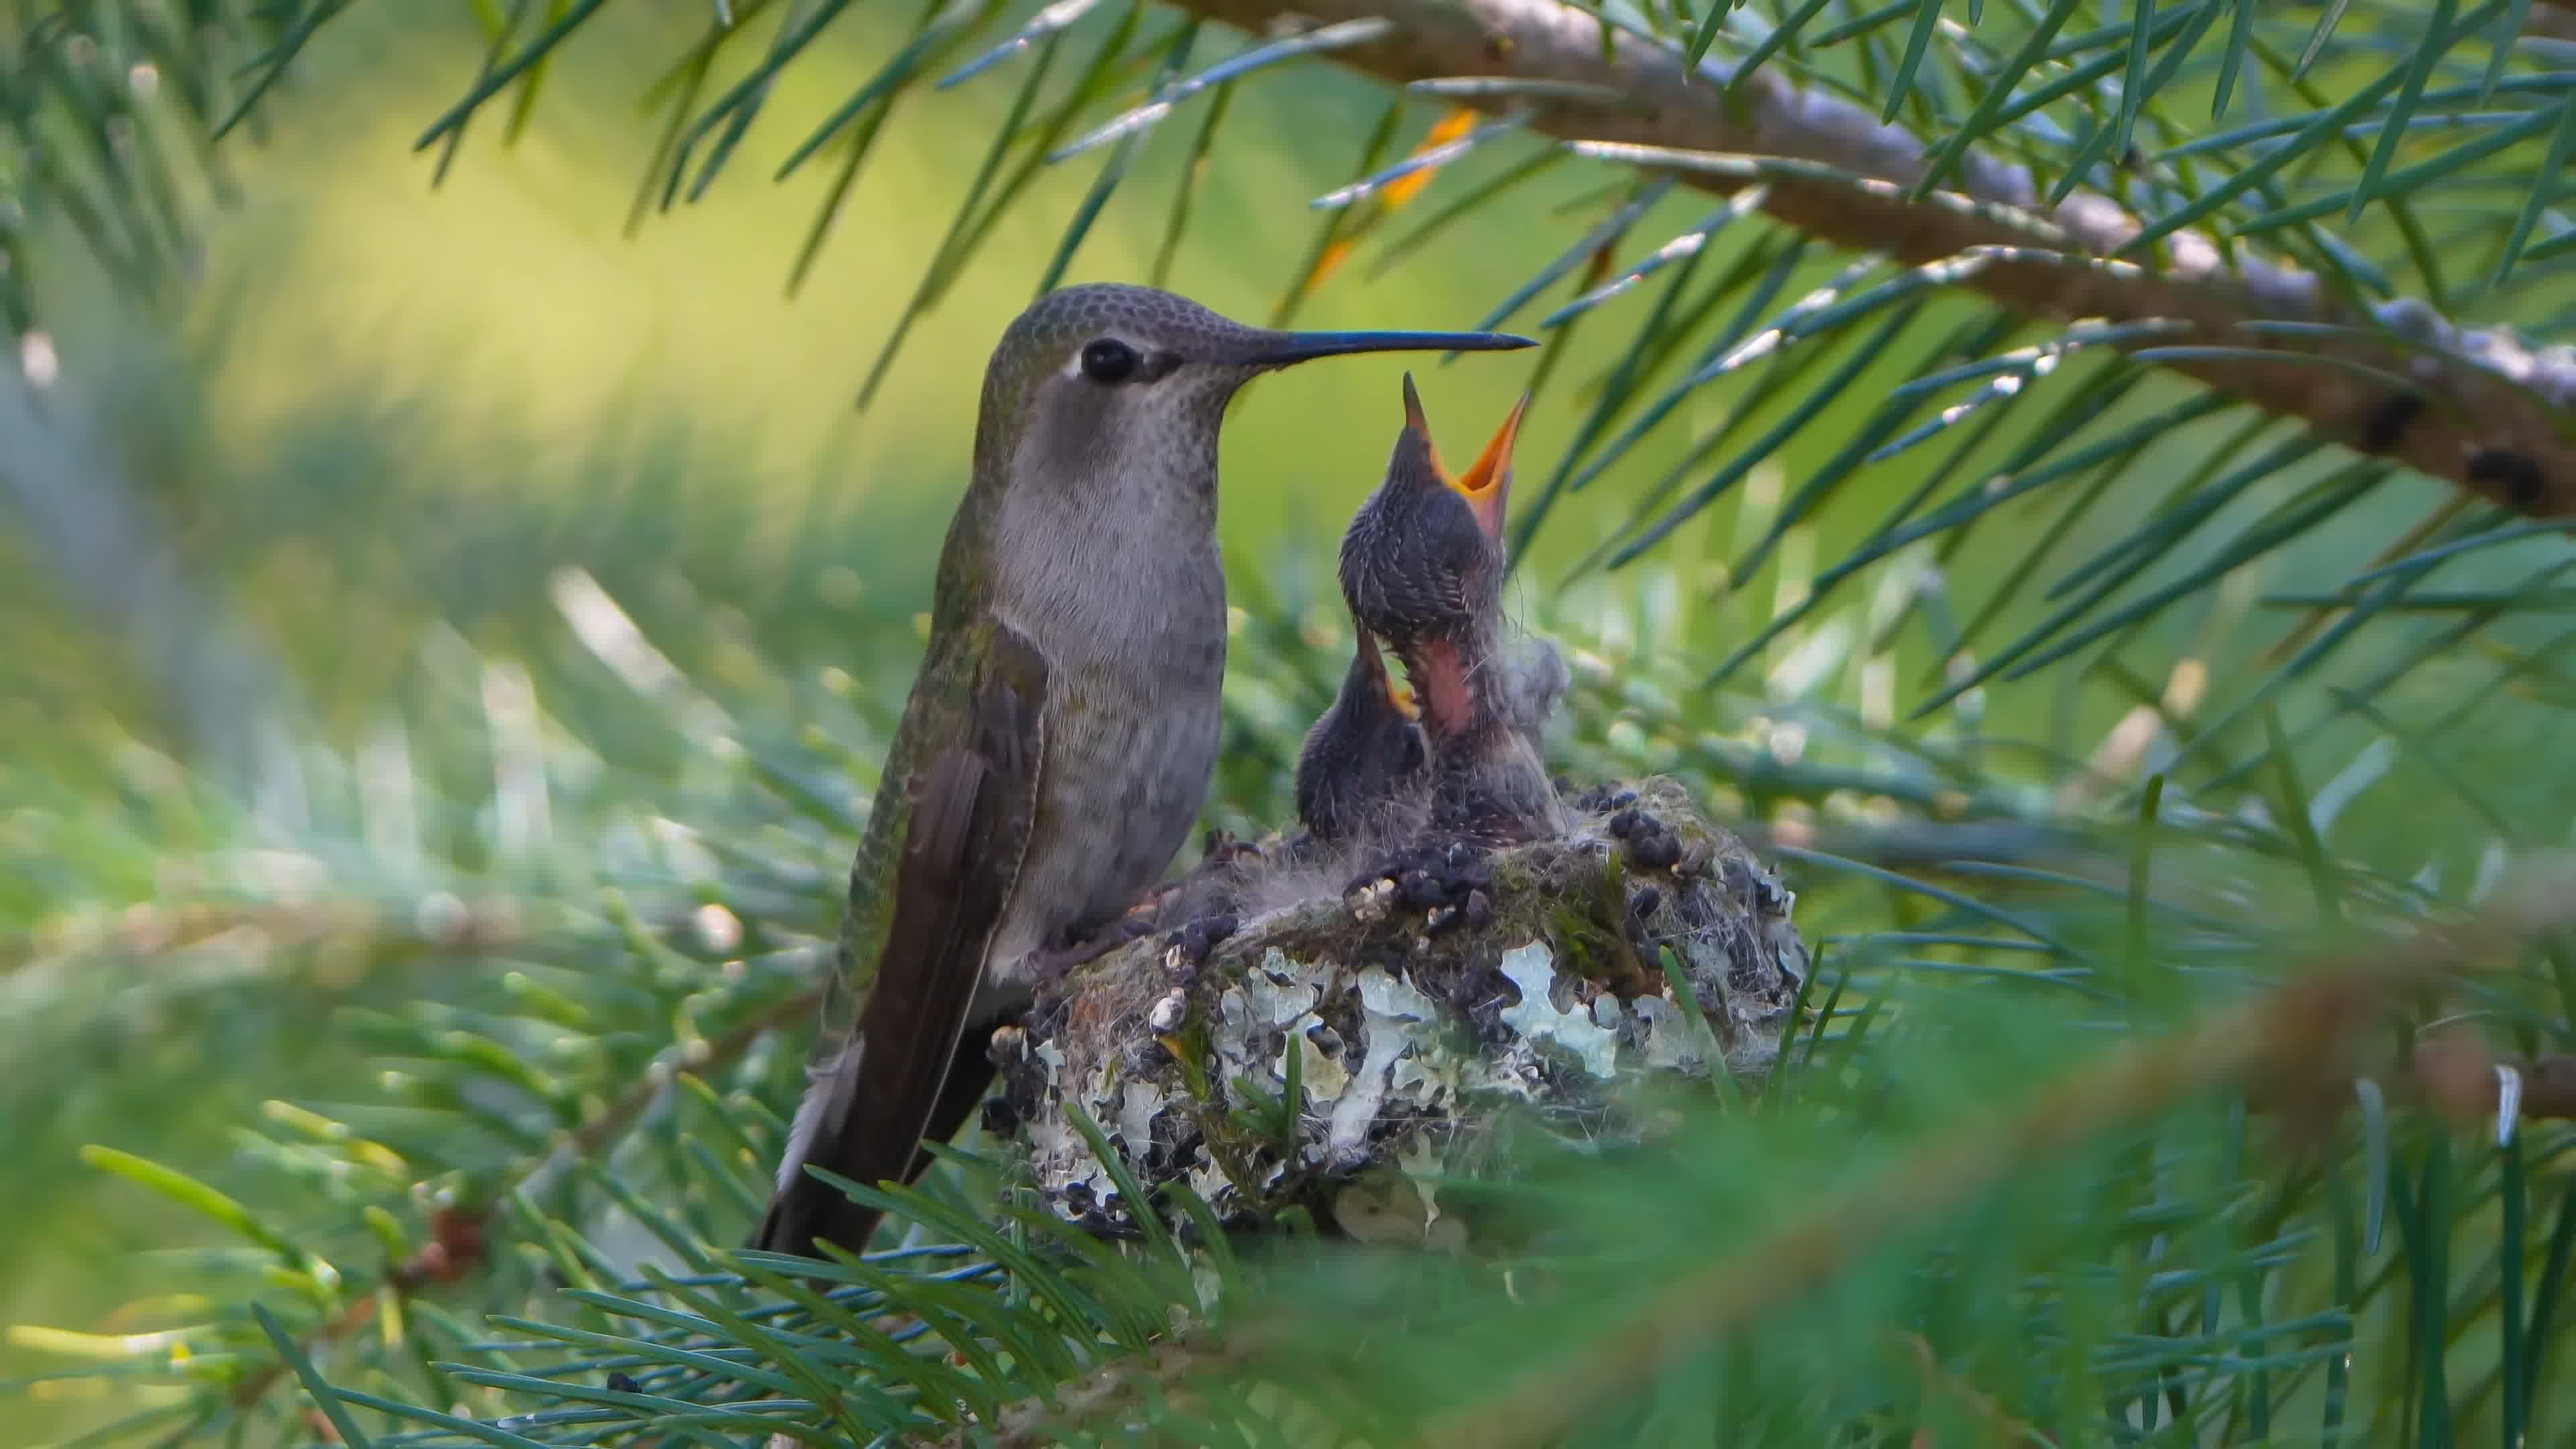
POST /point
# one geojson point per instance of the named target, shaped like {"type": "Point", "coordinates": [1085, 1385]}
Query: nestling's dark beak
{"type": "Point", "coordinates": [1271, 350]}
{"type": "Point", "coordinates": [1418, 425]}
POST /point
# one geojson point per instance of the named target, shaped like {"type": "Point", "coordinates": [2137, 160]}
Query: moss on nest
{"type": "Point", "coordinates": [1403, 1008]}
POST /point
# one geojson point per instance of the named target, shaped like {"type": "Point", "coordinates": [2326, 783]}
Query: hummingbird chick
{"type": "Point", "coordinates": [1364, 770]}
{"type": "Point", "coordinates": [1060, 736]}
{"type": "Point", "coordinates": [1422, 568]}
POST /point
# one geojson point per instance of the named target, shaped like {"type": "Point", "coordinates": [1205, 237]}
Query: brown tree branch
{"type": "Point", "coordinates": [2487, 414]}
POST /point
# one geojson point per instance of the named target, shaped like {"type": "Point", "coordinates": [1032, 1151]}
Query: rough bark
{"type": "Point", "coordinates": [1414, 1018]}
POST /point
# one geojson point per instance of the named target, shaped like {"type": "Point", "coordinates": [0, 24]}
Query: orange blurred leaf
{"type": "Point", "coordinates": [1392, 196]}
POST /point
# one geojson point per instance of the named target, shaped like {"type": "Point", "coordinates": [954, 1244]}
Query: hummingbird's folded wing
{"type": "Point", "coordinates": [971, 809]}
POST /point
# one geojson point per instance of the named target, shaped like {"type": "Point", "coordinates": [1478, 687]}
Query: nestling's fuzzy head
{"type": "Point", "coordinates": [1422, 562]}
{"type": "Point", "coordinates": [1365, 765]}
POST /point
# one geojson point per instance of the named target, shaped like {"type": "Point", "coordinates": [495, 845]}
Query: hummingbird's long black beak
{"type": "Point", "coordinates": [1269, 350]}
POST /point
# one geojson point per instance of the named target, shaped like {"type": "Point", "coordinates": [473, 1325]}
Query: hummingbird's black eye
{"type": "Point", "coordinates": [1109, 360]}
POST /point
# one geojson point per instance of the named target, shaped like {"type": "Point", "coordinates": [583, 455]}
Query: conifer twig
{"type": "Point", "coordinates": [2461, 1078]}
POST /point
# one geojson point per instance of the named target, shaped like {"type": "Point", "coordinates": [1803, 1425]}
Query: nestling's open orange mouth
{"type": "Point", "coordinates": [1487, 483]}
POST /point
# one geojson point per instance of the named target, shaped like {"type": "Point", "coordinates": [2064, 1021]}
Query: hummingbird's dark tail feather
{"type": "Point", "coordinates": [888, 1082]}
{"type": "Point", "coordinates": [807, 1211]}
{"type": "Point", "coordinates": [891, 1085]}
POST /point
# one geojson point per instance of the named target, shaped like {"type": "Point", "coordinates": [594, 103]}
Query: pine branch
{"type": "Point", "coordinates": [2000, 1428]}
{"type": "Point", "coordinates": [1111, 1389]}
{"type": "Point", "coordinates": [2485, 412]}
{"type": "Point", "coordinates": [2292, 1047]}
{"type": "Point", "coordinates": [701, 1056]}
{"type": "Point", "coordinates": [2459, 1076]}
{"type": "Point", "coordinates": [2285, 1043]}
{"type": "Point", "coordinates": [456, 1248]}
{"type": "Point", "coordinates": [457, 1243]}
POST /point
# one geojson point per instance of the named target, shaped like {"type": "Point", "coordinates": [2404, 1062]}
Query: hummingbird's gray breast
{"type": "Point", "coordinates": [1134, 634]}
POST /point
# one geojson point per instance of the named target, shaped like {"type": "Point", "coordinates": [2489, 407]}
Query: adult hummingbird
{"type": "Point", "coordinates": [1422, 568]}
{"type": "Point", "coordinates": [1363, 772]}
{"type": "Point", "coordinates": [1061, 733]}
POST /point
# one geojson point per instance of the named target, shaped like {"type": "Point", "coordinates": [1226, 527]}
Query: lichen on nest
{"type": "Point", "coordinates": [1402, 1007]}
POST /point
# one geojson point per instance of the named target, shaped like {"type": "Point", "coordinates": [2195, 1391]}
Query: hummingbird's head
{"type": "Point", "coordinates": [1364, 761]}
{"type": "Point", "coordinates": [1112, 382]}
{"type": "Point", "coordinates": [1422, 563]}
